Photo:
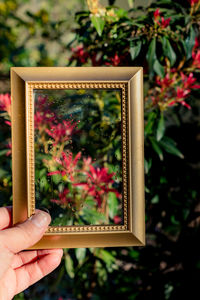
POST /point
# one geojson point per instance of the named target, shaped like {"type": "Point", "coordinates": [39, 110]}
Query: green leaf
{"type": "Point", "coordinates": [168, 50]}
{"type": "Point", "coordinates": [80, 254]}
{"type": "Point", "coordinates": [150, 122]}
{"type": "Point", "coordinates": [156, 148]}
{"type": "Point", "coordinates": [189, 43]}
{"type": "Point", "coordinates": [3, 152]}
{"type": "Point", "coordinates": [147, 165]}
{"type": "Point", "coordinates": [98, 23]}
{"type": "Point", "coordinates": [69, 265]}
{"type": "Point", "coordinates": [135, 48]}
{"type": "Point", "coordinates": [112, 204]}
{"type": "Point", "coordinates": [169, 146]}
{"type": "Point", "coordinates": [155, 199]}
{"type": "Point", "coordinates": [151, 55]}
{"type": "Point", "coordinates": [161, 128]}
{"type": "Point", "coordinates": [158, 68]}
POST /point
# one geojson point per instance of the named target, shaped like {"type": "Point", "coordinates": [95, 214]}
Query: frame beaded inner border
{"type": "Point", "coordinates": [123, 86]}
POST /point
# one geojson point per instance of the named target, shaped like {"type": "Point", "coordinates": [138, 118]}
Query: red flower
{"type": "Point", "coordinates": [117, 219]}
{"type": "Point", "coordinates": [63, 199]}
{"type": "Point", "coordinates": [156, 13]}
{"type": "Point", "coordinates": [114, 61]}
{"type": "Point", "coordinates": [61, 132]}
{"type": "Point", "coordinates": [165, 22]}
{"type": "Point", "coordinates": [157, 18]}
{"type": "Point", "coordinates": [188, 81]}
{"type": "Point", "coordinates": [193, 2]}
{"type": "Point", "coordinates": [80, 54]}
{"type": "Point", "coordinates": [68, 165]}
{"type": "Point", "coordinates": [182, 93]}
{"type": "Point", "coordinates": [5, 105]}
{"type": "Point", "coordinates": [97, 183]}
{"type": "Point", "coordinates": [165, 82]}
{"type": "Point", "coordinates": [196, 59]}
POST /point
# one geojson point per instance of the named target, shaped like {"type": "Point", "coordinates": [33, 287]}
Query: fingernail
{"type": "Point", "coordinates": [40, 219]}
{"type": "Point", "coordinates": [44, 209]}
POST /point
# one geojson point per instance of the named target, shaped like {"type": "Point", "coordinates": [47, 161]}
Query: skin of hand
{"type": "Point", "coordinates": [19, 269]}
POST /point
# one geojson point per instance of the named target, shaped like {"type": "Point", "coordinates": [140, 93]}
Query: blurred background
{"type": "Point", "coordinates": [162, 37]}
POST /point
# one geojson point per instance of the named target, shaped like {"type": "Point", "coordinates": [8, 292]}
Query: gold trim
{"type": "Point", "coordinates": [31, 86]}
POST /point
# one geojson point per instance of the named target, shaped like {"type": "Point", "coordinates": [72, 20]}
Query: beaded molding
{"type": "Point", "coordinates": [30, 86]}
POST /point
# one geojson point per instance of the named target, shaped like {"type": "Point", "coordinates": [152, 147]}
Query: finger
{"type": "Point", "coordinates": [26, 257]}
{"type": "Point", "coordinates": [5, 217]}
{"type": "Point", "coordinates": [34, 271]}
{"type": "Point", "coordinates": [26, 234]}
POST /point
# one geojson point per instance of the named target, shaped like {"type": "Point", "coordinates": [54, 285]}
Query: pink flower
{"type": "Point", "coordinates": [5, 105]}
{"type": "Point", "coordinates": [67, 164]}
{"type": "Point", "coordinates": [117, 219]}
{"type": "Point", "coordinates": [61, 132]}
{"type": "Point", "coordinates": [98, 181]}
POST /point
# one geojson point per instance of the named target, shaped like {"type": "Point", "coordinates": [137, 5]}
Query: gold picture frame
{"type": "Point", "coordinates": [129, 80]}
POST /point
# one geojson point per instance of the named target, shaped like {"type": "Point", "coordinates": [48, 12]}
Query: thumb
{"type": "Point", "coordinates": [26, 234]}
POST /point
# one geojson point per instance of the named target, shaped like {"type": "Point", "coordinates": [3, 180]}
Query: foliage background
{"type": "Point", "coordinates": [166, 43]}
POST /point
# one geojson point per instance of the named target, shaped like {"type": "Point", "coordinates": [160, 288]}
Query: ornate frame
{"type": "Point", "coordinates": [129, 81]}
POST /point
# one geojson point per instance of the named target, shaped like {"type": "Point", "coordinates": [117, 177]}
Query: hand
{"type": "Point", "coordinates": [20, 269]}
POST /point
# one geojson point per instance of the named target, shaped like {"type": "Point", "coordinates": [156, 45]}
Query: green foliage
{"type": "Point", "coordinates": [168, 266]}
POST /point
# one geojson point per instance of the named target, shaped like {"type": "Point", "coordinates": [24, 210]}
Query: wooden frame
{"type": "Point", "coordinates": [129, 81]}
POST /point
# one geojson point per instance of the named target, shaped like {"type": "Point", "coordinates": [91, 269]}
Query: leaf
{"type": "Point", "coordinates": [168, 50]}
{"type": "Point", "coordinates": [189, 43]}
{"type": "Point", "coordinates": [98, 23]}
{"type": "Point", "coordinates": [80, 254]}
{"type": "Point", "coordinates": [151, 55]}
{"type": "Point", "coordinates": [112, 204]}
{"type": "Point", "coordinates": [159, 69]}
{"type": "Point", "coordinates": [155, 199]}
{"type": "Point", "coordinates": [3, 152]}
{"type": "Point", "coordinates": [150, 122]}
{"type": "Point", "coordinates": [156, 148]}
{"type": "Point", "coordinates": [169, 146]}
{"type": "Point", "coordinates": [147, 165]}
{"type": "Point", "coordinates": [69, 265]}
{"type": "Point", "coordinates": [161, 128]}
{"type": "Point", "coordinates": [135, 49]}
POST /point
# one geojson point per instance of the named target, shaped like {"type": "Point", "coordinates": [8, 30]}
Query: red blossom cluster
{"type": "Point", "coordinates": [158, 19]}
{"type": "Point", "coordinates": [174, 88]}
{"type": "Point", "coordinates": [79, 54]}
{"type": "Point", "coordinates": [97, 183]}
{"type": "Point", "coordinates": [61, 132]}
{"type": "Point", "coordinates": [67, 165]}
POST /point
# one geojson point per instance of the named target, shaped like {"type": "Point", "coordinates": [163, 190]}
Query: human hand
{"type": "Point", "coordinates": [20, 269]}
